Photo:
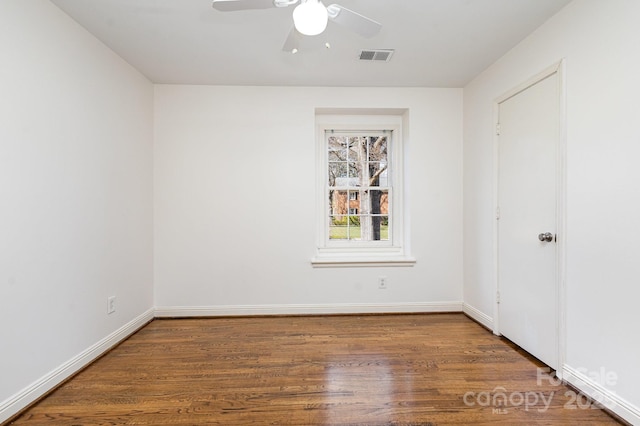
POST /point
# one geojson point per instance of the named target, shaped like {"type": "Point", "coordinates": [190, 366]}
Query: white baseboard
{"type": "Point", "coordinates": [33, 392]}
{"type": "Point", "coordinates": [315, 309]}
{"type": "Point", "coordinates": [478, 315]}
{"type": "Point", "coordinates": [600, 394]}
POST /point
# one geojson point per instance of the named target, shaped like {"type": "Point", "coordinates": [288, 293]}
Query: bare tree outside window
{"type": "Point", "coordinates": [358, 173]}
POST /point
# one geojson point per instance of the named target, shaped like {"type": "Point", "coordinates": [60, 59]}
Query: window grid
{"type": "Point", "coordinates": [358, 186]}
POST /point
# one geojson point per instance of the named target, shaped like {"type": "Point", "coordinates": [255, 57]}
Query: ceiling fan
{"type": "Point", "coordinates": [310, 17]}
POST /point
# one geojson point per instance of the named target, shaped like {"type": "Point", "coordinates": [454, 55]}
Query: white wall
{"type": "Point", "coordinates": [75, 193]}
{"type": "Point", "coordinates": [599, 40]}
{"type": "Point", "coordinates": [235, 202]}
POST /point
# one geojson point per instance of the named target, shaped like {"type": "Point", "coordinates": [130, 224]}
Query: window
{"type": "Point", "coordinates": [360, 190]}
{"type": "Point", "coordinates": [358, 181]}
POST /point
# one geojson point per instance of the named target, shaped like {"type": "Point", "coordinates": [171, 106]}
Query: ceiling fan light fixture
{"type": "Point", "coordinates": [310, 17]}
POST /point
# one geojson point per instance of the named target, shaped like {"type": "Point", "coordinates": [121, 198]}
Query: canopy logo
{"type": "Point", "coordinates": [501, 400]}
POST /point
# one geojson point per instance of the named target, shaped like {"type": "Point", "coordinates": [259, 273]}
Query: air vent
{"type": "Point", "coordinates": [383, 55]}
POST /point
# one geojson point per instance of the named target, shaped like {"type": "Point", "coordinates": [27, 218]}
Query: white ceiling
{"type": "Point", "coordinates": [438, 43]}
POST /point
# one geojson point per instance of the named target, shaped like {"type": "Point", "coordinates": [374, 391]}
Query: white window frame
{"type": "Point", "coordinates": [341, 253]}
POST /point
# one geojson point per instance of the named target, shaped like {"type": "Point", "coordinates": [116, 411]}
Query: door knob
{"type": "Point", "coordinates": [547, 236]}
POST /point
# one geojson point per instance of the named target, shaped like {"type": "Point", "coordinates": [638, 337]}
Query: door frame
{"type": "Point", "coordinates": [560, 294]}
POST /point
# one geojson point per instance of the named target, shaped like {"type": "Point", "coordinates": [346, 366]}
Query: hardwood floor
{"type": "Point", "coordinates": [332, 370]}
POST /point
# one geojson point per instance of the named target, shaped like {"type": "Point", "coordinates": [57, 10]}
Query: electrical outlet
{"type": "Point", "coordinates": [111, 305]}
{"type": "Point", "coordinates": [382, 283]}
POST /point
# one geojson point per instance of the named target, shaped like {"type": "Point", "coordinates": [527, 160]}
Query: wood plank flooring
{"type": "Point", "coordinates": [334, 370]}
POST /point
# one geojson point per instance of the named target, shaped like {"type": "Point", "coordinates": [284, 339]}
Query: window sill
{"type": "Point", "coordinates": [361, 261]}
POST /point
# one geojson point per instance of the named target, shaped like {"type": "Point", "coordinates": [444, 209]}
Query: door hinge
{"type": "Point", "coordinates": [498, 129]}
{"type": "Point", "coordinates": [497, 297]}
{"type": "Point", "coordinates": [497, 213]}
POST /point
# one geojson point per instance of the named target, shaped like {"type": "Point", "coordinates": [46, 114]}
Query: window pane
{"type": "Point", "coordinates": [354, 227]}
{"type": "Point", "coordinates": [378, 174]}
{"type": "Point", "coordinates": [383, 179]}
{"type": "Point", "coordinates": [354, 174]}
{"type": "Point", "coordinates": [334, 156]}
{"type": "Point", "coordinates": [377, 148]}
{"type": "Point", "coordinates": [338, 232]}
{"type": "Point", "coordinates": [383, 223]}
{"type": "Point", "coordinates": [337, 174]}
{"type": "Point", "coordinates": [338, 169]}
{"type": "Point", "coordinates": [354, 148]}
{"type": "Point", "coordinates": [338, 202]}
{"type": "Point", "coordinates": [337, 148]}
{"type": "Point", "coordinates": [379, 201]}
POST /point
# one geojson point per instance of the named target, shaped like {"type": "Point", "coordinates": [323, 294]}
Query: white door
{"type": "Point", "coordinates": [528, 135]}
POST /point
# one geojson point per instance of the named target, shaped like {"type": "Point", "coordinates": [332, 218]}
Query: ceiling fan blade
{"type": "Point", "coordinates": [233, 5]}
{"type": "Point", "coordinates": [362, 25]}
{"type": "Point", "coordinates": [292, 43]}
